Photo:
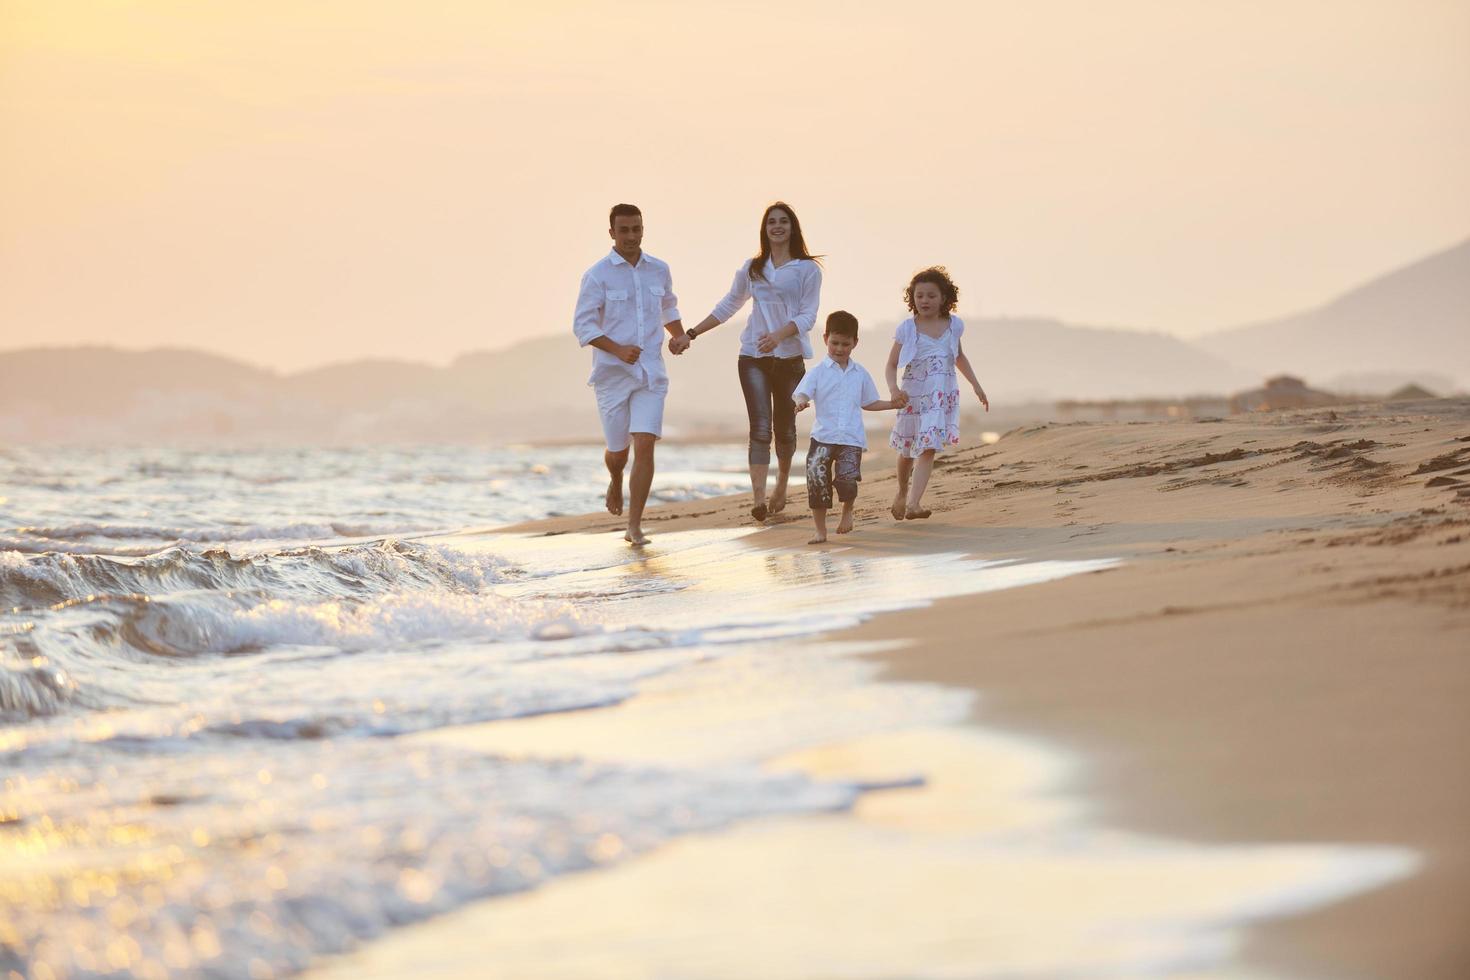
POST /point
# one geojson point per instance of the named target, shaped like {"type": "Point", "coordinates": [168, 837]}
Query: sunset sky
{"type": "Point", "coordinates": [295, 183]}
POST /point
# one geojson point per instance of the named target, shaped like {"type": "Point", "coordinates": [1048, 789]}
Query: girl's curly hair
{"type": "Point", "coordinates": [939, 276]}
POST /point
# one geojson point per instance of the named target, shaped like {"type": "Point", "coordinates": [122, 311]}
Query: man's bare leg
{"type": "Point", "coordinates": [844, 524]}
{"type": "Point", "coordinates": [615, 463]}
{"type": "Point", "coordinates": [639, 483]}
{"type": "Point", "coordinates": [778, 495]}
{"type": "Point", "coordinates": [900, 499]}
{"type": "Point", "coordinates": [819, 517]}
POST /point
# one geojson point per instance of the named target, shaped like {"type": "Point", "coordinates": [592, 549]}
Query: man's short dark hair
{"type": "Point", "coordinates": [623, 211]}
{"type": "Point", "coordinates": [843, 323]}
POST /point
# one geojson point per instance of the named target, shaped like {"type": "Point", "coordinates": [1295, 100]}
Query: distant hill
{"type": "Point", "coordinates": [533, 390]}
{"type": "Point", "coordinates": [1400, 326]}
{"type": "Point", "coordinates": [1045, 359]}
{"type": "Point", "coordinates": [1415, 321]}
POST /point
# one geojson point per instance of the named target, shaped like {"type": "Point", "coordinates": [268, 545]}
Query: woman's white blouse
{"type": "Point", "coordinates": [789, 294]}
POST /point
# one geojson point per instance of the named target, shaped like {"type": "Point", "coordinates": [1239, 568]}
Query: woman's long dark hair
{"type": "Point", "coordinates": [798, 243]}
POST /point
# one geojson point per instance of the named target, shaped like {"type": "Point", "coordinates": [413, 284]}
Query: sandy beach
{"type": "Point", "coordinates": [1281, 656]}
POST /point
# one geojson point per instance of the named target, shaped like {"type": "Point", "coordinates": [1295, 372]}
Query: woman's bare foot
{"type": "Point", "coordinates": [844, 525]}
{"type": "Point", "coordinates": [917, 515]}
{"type": "Point", "coordinates": [898, 510]}
{"type": "Point", "coordinates": [615, 496]}
{"type": "Point", "coordinates": [758, 511]}
{"type": "Point", "coordinates": [821, 539]}
{"type": "Point", "coordinates": [777, 502]}
{"type": "Point", "coordinates": [635, 537]}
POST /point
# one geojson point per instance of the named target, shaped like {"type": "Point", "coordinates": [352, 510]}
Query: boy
{"type": "Point", "coordinates": [842, 391]}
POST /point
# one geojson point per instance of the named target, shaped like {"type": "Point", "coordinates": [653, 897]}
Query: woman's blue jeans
{"type": "Point", "coordinates": [768, 383]}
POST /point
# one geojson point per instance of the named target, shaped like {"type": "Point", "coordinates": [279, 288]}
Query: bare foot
{"type": "Point", "coordinates": [758, 511]}
{"type": "Point", "coordinates": [845, 524]}
{"type": "Point", "coordinates": [917, 515]}
{"type": "Point", "coordinates": [778, 500]}
{"type": "Point", "coordinates": [636, 538]}
{"type": "Point", "coordinates": [615, 496]}
{"type": "Point", "coordinates": [818, 540]}
{"type": "Point", "coordinates": [898, 510]}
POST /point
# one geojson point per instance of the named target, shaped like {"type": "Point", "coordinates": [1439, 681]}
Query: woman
{"type": "Point", "coordinates": [786, 282]}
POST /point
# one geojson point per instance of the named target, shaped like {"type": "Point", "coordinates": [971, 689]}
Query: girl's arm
{"type": "Point", "coordinates": [962, 363]}
{"type": "Point", "coordinates": [890, 370]}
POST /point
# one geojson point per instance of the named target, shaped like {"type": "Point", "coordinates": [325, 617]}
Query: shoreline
{"type": "Point", "coordinates": [1279, 659]}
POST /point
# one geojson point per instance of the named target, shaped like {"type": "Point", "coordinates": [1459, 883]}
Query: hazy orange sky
{"type": "Point", "coordinates": [301, 182]}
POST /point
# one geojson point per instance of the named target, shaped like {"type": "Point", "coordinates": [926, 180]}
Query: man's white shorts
{"type": "Point", "coordinates": [628, 406]}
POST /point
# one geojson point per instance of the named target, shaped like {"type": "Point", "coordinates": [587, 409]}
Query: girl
{"type": "Point", "coordinates": [786, 281]}
{"type": "Point", "coordinates": [926, 348]}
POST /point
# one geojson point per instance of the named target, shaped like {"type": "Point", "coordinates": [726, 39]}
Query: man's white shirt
{"type": "Point", "coordinates": [628, 304]}
{"type": "Point", "coordinates": [839, 396]}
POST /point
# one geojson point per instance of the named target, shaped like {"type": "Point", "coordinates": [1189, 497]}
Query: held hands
{"type": "Point", "coordinates": [980, 394]}
{"type": "Point", "coordinates": [801, 403]}
{"type": "Point", "coordinates": [900, 399]}
{"type": "Point", "coordinates": [766, 343]}
{"type": "Point", "coordinates": [679, 344]}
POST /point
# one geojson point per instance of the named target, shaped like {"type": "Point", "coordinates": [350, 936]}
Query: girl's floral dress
{"type": "Point", "coordinates": [931, 419]}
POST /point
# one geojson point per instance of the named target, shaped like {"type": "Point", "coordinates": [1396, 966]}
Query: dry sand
{"type": "Point", "coordinates": [1284, 655]}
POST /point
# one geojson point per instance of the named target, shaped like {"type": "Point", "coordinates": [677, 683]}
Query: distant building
{"type": "Point", "coordinates": [1282, 391]}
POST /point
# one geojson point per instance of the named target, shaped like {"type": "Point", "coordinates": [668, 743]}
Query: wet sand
{"type": "Point", "coordinates": [1284, 656]}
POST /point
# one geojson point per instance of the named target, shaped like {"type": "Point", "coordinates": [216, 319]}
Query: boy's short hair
{"type": "Point", "coordinates": [843, 323]}
{"type": "Point", "coordinates": [622, 211]}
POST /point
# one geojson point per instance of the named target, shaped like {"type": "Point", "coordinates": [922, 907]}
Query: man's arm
{"type": "Point", "coordinates": [673, 322]}
{"type": "Point", "coordinates": [587, 317]}
{"type": "Point", "coordinates": [587, 322]}
{"type": "Point", "coordinates": [626, 353]}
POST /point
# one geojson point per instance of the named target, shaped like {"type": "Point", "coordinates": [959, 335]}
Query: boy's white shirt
{"type": "Point", "coordinates": [628, 305]}
{"type": "Point", "coordinates": [838, 397]}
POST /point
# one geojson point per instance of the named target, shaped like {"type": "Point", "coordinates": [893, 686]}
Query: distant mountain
{"type": "Point", "coordinates": [92, 380]}
{"type": "Point", "coordinates": [1399, 326]}
{"type": "Point", "coordinates": [1046, 360]}
{"type": "Point", "coordinates": [1413, 321]}
{"type": "Point", "coordinates": [534, 390]}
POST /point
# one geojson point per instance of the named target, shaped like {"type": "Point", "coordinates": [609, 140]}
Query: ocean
{"type": "Point", "coordinates": [222, 675]}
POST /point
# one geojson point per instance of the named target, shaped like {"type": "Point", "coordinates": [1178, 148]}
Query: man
{"type": "Point", "coordinates": [626, 301]}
